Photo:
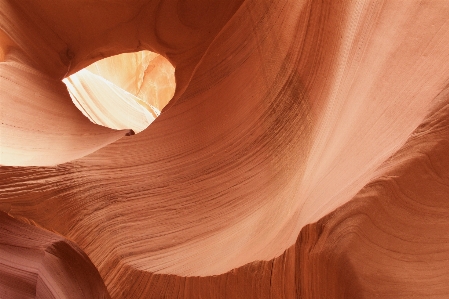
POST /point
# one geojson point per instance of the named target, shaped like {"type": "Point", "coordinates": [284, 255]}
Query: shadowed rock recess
{"type": "Point", "coordinates": [224, 149]}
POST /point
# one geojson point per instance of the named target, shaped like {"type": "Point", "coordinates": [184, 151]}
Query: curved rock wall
{"type": "Point", "coordinates": [35, 263]}
{"type": "Point", "coordinates": [285, 113]}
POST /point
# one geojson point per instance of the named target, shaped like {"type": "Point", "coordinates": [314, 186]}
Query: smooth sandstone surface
{"type": "Point", "coordinates": [40, 125]}
{"type": "Point", "coordinates": [305, 151]}
{"type": "Point", "coordinates": [147, 75]}
{"type": "Point", "coordinates": [125, 91]}
{"type": "Point", "coordinates": [107, 104]}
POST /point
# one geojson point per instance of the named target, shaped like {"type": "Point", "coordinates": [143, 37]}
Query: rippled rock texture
{"type": "Point", "coordinates": [303, 154]}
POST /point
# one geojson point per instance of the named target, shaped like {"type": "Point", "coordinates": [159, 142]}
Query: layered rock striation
{"type": "Point", "coordinates": [304, 153]}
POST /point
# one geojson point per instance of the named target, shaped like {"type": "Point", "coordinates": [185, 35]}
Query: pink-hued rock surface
{"type": "Point", "coordinates": [35, 263]}
{"type": "Point", "coordinates": [304, 152]}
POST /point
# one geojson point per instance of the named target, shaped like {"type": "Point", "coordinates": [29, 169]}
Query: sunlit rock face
{"type": "Point", "coordinates": [304, 152]}
{"type": "Point", "coordinates": [146, 75]}
{"type": "Point", "coordinates": [125, 91]}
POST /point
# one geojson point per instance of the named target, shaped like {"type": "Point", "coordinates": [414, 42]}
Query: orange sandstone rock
{"type": "Point", "coordinates": [285, 113]}
{"type": "Point", "coordinates": [35, 263]}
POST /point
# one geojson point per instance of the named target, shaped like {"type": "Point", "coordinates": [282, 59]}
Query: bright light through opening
{"type": "Point", "coordinates": [125, 91]}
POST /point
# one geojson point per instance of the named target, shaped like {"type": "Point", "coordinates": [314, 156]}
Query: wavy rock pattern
{"type": "Point", "coordinates": [285, 113]}
{"type": "Point", "coordinates": [390, 241]}
{"type": "Point", "coordinates": [35, 263]}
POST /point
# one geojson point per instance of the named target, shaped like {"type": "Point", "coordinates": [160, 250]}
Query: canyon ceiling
{"type": "Point", "coordinates": [234, 149]}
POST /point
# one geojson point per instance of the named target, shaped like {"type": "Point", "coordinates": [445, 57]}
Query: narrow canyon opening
{"type": "Point", "coordinates": [125, 91]}
{"type": "Point", "coordinates": [304, 153]}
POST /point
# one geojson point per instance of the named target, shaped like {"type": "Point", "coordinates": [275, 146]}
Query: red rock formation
{"type": "Point", "coordinates": [285, 113]}
{"type": "Point", "coordinates": [35, 263]}
{"type": "Point", "coordinates": [390, 241]}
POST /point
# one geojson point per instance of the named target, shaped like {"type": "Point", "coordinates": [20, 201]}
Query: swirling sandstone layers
{"type": "Point", "coordinates": [273, 126]}
{"type": "Point", "coordinates": [390, 241]}
{"type": "Point", "coordinates": [35, 263]}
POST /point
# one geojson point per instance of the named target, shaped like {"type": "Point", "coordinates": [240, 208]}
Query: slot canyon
{"type": "Point", "coordinates": [224, 149]}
